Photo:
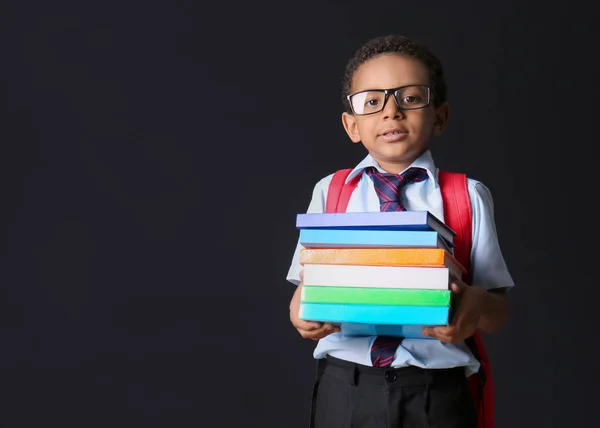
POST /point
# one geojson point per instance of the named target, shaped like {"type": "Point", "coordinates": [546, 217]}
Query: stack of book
{"type": "Point", "coordinates": [377, 273]}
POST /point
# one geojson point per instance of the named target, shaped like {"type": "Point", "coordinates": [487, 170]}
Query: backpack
{"type": "Point", "coordinates": [458, 216]}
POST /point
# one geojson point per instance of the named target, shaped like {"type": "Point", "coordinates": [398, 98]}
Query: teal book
{"type": "Point", "coordinates": [374, 314]}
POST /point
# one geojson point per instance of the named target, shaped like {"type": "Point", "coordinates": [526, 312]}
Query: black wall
{"type": "Point", "coordinates": [155, 154]}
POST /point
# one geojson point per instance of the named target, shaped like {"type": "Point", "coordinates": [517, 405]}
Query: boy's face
{"type": "Point", "coordinates": [394, 137]}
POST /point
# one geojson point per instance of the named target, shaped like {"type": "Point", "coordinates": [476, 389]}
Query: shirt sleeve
{"type": "Point", "coordinates": [488, 266]}
{"type": "Point", "coordinates": [316, 205]}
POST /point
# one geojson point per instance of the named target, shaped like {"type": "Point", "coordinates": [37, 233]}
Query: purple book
{"type": "Point", "coordinates": [399, 220]}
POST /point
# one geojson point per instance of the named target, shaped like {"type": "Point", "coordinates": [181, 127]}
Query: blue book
{"type": "Point", "coordinates": [399, 220]}
{"type": "Point", "coordinates": [357, 238]}
{"type": "Point", "coordinates": [374, 314]}
{"type": "Point", "coordinates": [408, 331]}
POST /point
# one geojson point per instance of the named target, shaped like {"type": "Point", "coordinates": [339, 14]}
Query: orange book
{"type": "Point", "coordinates": [426, 257]}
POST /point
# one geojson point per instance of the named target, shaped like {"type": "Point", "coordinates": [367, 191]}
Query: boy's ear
{"type": "Point", "coordinates": [442, 115]}
{"type": "Point", "coordinates": [349, 122]}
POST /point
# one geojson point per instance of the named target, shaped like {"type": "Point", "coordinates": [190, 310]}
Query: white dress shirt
{"type": "Point", "coordinates": [488, 268]}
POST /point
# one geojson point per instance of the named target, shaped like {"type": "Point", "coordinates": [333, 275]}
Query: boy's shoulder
{"type": "Point", "coordinates": [475, 186]}
{"type": "Point", "coordinates": [479, 191]}
{"type": "Point", "coordinates": [323, 183]}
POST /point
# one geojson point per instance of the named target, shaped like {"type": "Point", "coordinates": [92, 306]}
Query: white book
{"type": "Point", "coordinates": [422, 277]}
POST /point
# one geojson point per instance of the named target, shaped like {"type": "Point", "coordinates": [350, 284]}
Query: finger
{"type": "Point", "coordinates": [333, 328]}
{"type": "Point", "coordinates": [446, 329]}
{"type": "Point", "coordinates": [439, 331]}
{"type": "Point", "coordinates": [309, 333]}
{"type": "Point", "coordinates": [427, 331]}
{"type": "Point", "coordinates": [302, 275]}
{"type": "Point", "coordinates": [314, 334]}
{"type": "Point", "coordinates": [325, 330]}
{"type": "Point", "coordinates": [306, 325]}
{"type": "Point", "coordinates": [456, 289]}
{"type": "Point", "coordinates": [448, 334]}
{"type": "Point", "coordinates": [440, 336]}
{"type": "Point", "coordinates": [446, 339]}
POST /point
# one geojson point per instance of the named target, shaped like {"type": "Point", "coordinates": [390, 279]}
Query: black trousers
{"type": "Point", "coordinates": [348, 395]}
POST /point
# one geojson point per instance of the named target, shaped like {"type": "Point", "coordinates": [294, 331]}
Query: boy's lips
{"type": "Point", "coordinates": [394, 131]}
{"type": "Point", "coordinates": [394, 134]}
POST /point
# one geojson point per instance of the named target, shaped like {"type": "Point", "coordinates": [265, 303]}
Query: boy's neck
{"type": "Point", "coordinates": [394, 168]}
{"type": "Point", "coordinates": [397, 167]}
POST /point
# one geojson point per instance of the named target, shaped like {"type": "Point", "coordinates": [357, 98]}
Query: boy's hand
{"type": "Point", "coordinates": [467, 312]}
{"type": "Point", "coordinates": [308, 329]}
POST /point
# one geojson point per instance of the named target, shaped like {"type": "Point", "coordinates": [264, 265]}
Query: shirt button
{"type": "Point", "coordinates": [391, 376]}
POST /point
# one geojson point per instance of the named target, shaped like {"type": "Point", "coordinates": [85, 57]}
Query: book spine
{"type": "Point", "coordinates": [412, 277]}
{"type": "Point", "coordinates": [339, 238]}
{"type": "Point", "coordinates": [374, 314]}
{"type": "Point", "coordinates": [363, 219]}
{"type": "Point", "coordinates": [425, 257]}
{"type": "Point", "coordinates": [414, 331]}
{"type": "Point", "coordinates": [375, 296]}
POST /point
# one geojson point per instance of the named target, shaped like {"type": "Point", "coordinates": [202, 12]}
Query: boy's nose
{"type": "Point", "coordinates": [390, 109]}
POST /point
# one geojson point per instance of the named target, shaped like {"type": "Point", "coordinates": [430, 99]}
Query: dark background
{"type": "Point", "coordinates": [155, 154]}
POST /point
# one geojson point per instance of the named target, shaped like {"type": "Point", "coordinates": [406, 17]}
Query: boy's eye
{"type": "Point", "coordinates": [410, 99]}
{"type": "Point", "coordinates": [372, 102]}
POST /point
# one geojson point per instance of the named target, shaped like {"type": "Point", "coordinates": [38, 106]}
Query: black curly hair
{"type": "Point", "coordinates": [394, 43]}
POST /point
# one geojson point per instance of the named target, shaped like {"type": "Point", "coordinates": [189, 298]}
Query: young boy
{"type": "Point", "coordinates": [395, 95]}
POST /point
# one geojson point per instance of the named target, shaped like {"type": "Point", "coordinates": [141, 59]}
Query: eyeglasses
{"type": "Point", "coordinates": [410, 97]}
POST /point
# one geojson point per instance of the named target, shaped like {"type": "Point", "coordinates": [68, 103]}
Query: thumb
{"type": "Point", "coordinates": [456, 289]}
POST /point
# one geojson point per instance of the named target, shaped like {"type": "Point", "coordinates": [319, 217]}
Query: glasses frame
{"type": "Point", "coordinates": [387, 92]}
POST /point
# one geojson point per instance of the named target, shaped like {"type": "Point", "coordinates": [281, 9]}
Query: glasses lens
{"type": "Point", "coordinates": [367, 102]}
{"type": "Point", "coordinates": [412, 97]}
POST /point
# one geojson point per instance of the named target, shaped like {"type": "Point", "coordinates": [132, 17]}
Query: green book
{"type": "Point", "coordinates": [375, 296]}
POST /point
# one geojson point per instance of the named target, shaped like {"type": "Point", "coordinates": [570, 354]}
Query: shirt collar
{"type": "Point", "coordinates": [424, 161]}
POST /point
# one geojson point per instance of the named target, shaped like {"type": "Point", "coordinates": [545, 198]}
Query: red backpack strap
{"type": "Point", "coordinates": [339, 191]}
{"type": "Point", "coordinates": [458, 216]}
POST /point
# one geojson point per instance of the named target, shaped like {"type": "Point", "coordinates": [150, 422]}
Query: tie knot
{"type": "Point", "coordinates": [412, 174]}
{"type": "Point", "coordinates": [388, 186]}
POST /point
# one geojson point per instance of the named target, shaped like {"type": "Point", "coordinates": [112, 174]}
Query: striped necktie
{"type": "Point", "coordinates": [389, 188]}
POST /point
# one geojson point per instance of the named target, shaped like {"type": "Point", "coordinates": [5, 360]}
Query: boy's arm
{"type": "Point", "coordinates": [474, 309]}
{"type": "Point", "coordinates": [308, 329]}
{"type": "Point", "coordinates": [494, 315]}
{"type": "Point", "coordinates": [490, 274]}
{"type": "Point", "coordinates": [482, 306]}
{"type": "Point", "coordinates": [316, 205]}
